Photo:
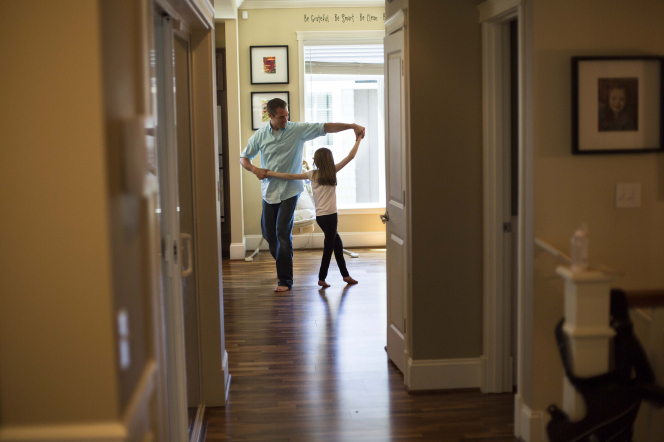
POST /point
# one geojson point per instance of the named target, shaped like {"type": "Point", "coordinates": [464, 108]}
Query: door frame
{"type": "Point", "coordinates": [172, 250]}
{"type": "Point", "coordinates": [196, 17]}
{"type": "Point", "coordinates": [184, 33]}
{"type": "Point", "coordinates": [495, 16]}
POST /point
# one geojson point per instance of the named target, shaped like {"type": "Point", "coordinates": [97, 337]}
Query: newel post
{"type": "Point", "coordinates": [588, 330]}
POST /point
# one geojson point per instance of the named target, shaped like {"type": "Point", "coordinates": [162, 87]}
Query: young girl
{"type": "Point", "coordinates": [323, 184]}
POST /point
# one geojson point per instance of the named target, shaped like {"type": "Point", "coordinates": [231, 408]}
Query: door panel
{"type": "Point", "coordinates": [396, 208]}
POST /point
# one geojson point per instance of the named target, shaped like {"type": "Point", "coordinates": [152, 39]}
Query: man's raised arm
{"type": "Point", "coordinates": [332, 128]}
{"type": "Point", "coordinates": [260, 173]}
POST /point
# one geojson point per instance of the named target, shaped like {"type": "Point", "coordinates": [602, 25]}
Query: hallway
{"type": "Point", "coordinates": [309, 365]}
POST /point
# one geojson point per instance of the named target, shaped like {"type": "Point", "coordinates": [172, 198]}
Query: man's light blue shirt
{"type": "Point", "coordinates": [282, 153]}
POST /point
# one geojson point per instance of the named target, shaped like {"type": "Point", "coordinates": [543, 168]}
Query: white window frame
{"type": "Point", "coordinates": [311, 38]}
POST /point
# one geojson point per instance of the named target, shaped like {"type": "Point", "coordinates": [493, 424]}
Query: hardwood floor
{"type": "Point", "coordinates": [310, 364]}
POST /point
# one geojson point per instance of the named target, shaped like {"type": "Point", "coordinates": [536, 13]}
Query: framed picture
{"type": "Point", "coordinates": [268, 64]}
{"type": "Point", "coordinates": [259, 116]}
{"type": "Point", "coordinates": [617, 105]}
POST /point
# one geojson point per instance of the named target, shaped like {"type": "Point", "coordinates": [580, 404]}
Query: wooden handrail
{"type": "Point", "coordinates": [645, 298]}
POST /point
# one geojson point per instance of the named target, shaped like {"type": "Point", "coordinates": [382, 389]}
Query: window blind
{"type": "Point", "coordinates": [344, 59]}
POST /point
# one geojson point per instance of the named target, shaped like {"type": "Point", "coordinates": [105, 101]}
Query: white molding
{"type": "Point", "coordinates": [227, 376]}
{"type": "Point", "coordinates": [362, 211]}
{"type": "Point", "coordinates": [315, 240]}
{"type": "Point", "coordinates": [395, 22]}
{"type": "Point", "coordinates": [281, 4]}
{"type": "Point", "coordinates": [204, 10]}
{"type": "Point", "coordinates": [101, 432]}
{"type": "Point", "coordinates": [138, 406]}
{"type": "Point", "coordinates": [528, 424]}
{"type": "Point", "coordinates": [237, 250]}
{"type": "Point", "coordinates": [497, 246]}
{"type": "Point", "coordinates": [443, 374]}
{"type": "Point", "coordinates": [139, 403]}
{"type": "Point", "coordinates": [498, 10]}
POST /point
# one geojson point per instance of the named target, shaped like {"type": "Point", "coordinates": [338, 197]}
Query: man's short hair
{"type": "Point", "coordinates": [274, 104]}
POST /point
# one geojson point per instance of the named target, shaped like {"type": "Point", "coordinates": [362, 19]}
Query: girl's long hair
{"type": "Point", "coordinates": [326, 173]}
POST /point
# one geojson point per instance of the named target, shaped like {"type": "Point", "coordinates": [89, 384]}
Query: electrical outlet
{"type": "Point", "coordinates": [628, 195]}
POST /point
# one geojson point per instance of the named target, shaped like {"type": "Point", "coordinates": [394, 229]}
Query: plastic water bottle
{"type": "Point", "coordinates": [579, 250]}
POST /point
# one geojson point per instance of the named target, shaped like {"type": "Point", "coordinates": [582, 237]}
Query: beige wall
{"type": "Point", "coordinates": [570, 190]}
{"type": "Point", "coordinates": [278, 27]}
{"type": "Point", "coordinates": [57, 346]}
{"type": "Point", "coordinates": [446, 178]}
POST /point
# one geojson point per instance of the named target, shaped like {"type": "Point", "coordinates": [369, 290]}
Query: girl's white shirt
{"type": "Point", "coordinates": [325, 197]}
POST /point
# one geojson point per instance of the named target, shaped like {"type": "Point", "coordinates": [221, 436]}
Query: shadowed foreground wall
{"type": "Point", "coordinates": [570, 190]}
{"type": "Point", "coordinates": [446, 178]}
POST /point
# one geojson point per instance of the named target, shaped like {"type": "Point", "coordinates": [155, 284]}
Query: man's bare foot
{"type": "Point", "coordinates": [323, 284]}
{"type": "Point", "coordinates": [282, 288]}
{"type": "Point", "coordinates": [349, 280]}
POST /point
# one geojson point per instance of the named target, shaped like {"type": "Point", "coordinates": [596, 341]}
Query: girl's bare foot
{"type": "Point", "coordinates": [282, 288]}
{"type": "Point", "coordinates": [323, 284]}
{"type": "Point", "coordinates": [349, 280]}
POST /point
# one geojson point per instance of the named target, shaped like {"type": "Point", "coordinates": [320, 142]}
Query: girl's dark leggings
{"type": "Point", "coordinates": [328, 224]}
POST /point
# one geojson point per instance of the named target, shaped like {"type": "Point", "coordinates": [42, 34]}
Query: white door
{"type": "Point", "coordinates": [396, 215]}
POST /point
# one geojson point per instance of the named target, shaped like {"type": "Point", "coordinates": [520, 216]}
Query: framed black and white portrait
{"type": "Point", "coordinates": [617, 104]}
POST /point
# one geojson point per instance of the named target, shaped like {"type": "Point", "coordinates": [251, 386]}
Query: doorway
{"type": "Point", "coordinates": [502, 128]}
{"type": "Point", "coordinates": [177, 203]}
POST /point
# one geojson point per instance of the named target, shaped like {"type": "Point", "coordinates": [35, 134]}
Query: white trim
{"type": "Point", "coordinates": [526, 223]}
{"type": "Point", "coordinates": [102, 431]}
{"type": "Point", "coordinates": [139, 404]}
{"type": "Point", "coordinates": [315, 240]}
{"type": "Point", "coordinates": [395, 22]}
{"type": "Point", "coordinates": [237, 250]}
{"type": "Point", "coordinates": [443, 374]}
{"type": "Point", "coordinates": [496, 162]}
{"type": "Point", "coordinates": [226, 375]}
{"type": "Point", "coordinates": [204, 10]}
{"type": "Point", "coordinates": [282, 4]}
{"type": "Point", "coordinates": [495, 10]}
{"type": "Point", "coordinates": [362, 211]}
{"type": "Point", "coordinates": [528, 424]}
{"type": "Point", "coordinates": [137, 408]}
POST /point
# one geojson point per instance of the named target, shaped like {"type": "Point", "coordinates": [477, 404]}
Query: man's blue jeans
{"type": "Point", "coordinates": [277, 226]}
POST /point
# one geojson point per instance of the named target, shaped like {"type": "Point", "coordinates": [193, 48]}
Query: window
{"type": "Point", "coordinates": [343, 82]}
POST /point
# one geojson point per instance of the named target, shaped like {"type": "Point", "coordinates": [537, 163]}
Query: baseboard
{"type": "Point", "coordinates": [237, 250]}
{"type": "Point", "coordinates": [97, 432]}
{"type": "Point", "coordinates": [136, 413]}
{"type": "Point", "coordinates": [528, 424]}
{"type": "Point", "coordinates": [443, 374]}
{"type": "Point", "coordinates": [315, 240]}
{"type": "Point", "coordinates": [227, 377]}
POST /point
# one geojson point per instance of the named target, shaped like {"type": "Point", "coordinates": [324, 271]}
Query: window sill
{"type": "Point", "coordinates": [362, 211]}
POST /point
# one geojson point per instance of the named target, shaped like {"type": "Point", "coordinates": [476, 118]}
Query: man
{"type": "Point", "coordinates": [281, 145]}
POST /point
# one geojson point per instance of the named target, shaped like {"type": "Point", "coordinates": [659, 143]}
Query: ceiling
{"type": "Point", "coordinates": [264, 4]}
{"type": "Point", "coordinates": [227, 9]}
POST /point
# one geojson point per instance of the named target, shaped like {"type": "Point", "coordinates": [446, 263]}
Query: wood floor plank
{"type": "Point", "coordinates": [309, 364]}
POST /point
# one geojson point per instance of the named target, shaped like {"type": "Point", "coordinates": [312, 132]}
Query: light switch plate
{"type": "Point", "coordinates": [628, 195]}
